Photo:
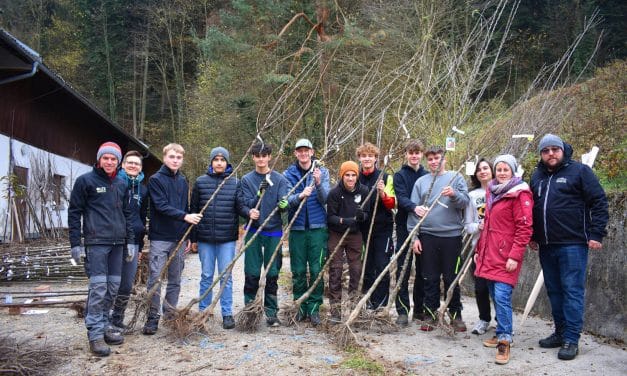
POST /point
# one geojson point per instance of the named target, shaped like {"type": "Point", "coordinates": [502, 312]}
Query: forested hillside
{"type": "Point", "coordinates": [204, 73]}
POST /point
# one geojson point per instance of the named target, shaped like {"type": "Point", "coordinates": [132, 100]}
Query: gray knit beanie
{"type": "Point", "coordinates": [509, 159]}
{"type": "Point", "coordinates": [219, 151]}
{"type": "Point", "coordinates": [550, 140]}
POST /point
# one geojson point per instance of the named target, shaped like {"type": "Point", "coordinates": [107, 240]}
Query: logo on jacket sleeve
{"type": "Point", "coordinates": [101, 189]}
{"type": "Point", "coordinates": [561, 180]}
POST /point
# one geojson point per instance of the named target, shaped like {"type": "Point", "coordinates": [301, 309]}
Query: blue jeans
{"type": "Point", "coordinates": [104, 263]}
{"type": "Point", "coordinates": [223, 253]}
{"type": "Point", "coordinates": [501, 294]}
{"type": "Point", "coordinates": [564, 268]}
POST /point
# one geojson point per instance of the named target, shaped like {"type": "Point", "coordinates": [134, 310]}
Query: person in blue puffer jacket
{"type": "Point", "coordinates": [131, 174]}
{"type": "Point", "coordinates": [308, 235]}
{"type": "Point", "coordinates": [216, 234]}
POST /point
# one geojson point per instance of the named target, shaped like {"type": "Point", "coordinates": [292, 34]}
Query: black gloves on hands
{"type": "Point", "coordinates": [360, 216]}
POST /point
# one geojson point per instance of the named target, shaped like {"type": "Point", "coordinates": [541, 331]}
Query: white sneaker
{"type": "Point", "coordinates": [481, 327]}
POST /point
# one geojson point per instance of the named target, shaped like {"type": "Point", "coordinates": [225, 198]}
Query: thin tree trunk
{"type": "Point", "coordinates": [142, 115]}
{"type": "Point", "coordinates": [107, 50]}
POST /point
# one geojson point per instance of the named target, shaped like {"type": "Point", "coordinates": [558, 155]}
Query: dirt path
{"type": "Point", "coordinates": [302, 350]}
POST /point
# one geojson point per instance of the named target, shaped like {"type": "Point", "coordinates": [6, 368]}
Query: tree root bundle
{"type": "Point", "coordinates": [24, 358]}
{"type": "Point", "coordinates": [248, 319]}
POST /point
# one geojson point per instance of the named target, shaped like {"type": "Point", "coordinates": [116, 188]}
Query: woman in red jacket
{"type": "Point", "coordinates": [501, 247]}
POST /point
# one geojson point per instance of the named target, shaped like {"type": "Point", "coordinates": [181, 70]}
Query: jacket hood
{"type": "Point", "coordinates": [124, 176]}
{"type": "Point", "coordinates": [515, 190]}
{"type": "Point", "coordinates": [166, 171]}
{"type": "Point", "coordinates": [568, 153]}
{"type": "Point", "coordinates": [227, 171]}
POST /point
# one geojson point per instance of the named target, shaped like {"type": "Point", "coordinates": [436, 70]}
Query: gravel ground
{"type": "Point", "coordinates": [300, 349]}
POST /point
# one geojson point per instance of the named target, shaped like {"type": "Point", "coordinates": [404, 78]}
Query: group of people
{"type": "Point", "coordinates": [563, 212]}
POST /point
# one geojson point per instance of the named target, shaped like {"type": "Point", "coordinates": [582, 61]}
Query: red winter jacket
{"type": "Point", "coordinates": [506, 233]}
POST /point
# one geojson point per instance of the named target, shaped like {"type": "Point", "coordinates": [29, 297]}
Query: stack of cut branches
{"type": "Point", "coordinates": [47, 263]}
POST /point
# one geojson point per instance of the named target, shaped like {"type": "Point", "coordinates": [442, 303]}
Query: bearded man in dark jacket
{"type": "Point", "coordinates": [570, 213]}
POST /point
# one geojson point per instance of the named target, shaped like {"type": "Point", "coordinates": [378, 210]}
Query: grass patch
{"type": "Point", "coordinates": [358, 361]}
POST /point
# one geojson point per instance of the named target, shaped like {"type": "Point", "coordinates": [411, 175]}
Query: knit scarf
{"type": "Point", "coordinates": [132, 183]}
{"type": "Point", "coordinates": [497, 191]}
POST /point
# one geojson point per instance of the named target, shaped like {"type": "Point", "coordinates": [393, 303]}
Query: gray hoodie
{"type": "Point", "coordinates": [446, 219]}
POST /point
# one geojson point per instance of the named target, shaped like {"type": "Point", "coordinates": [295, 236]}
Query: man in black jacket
{"type": "Point", "coordinates": [169, 219]}
{"type": "Point", "coordinates": [99, 212]}
{"type": "Point", "coordinates": [380, 242]}
{"type": "Point", "coordinates": [404, 181]}
{"type": "Point", "coordinates": [570, 213]}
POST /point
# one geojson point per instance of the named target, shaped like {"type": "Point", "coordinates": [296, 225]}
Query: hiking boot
{"type": "Point", "coordinates": [273, 321]}
{"type": "Point", "coordinates": [300, 316]}
{"type": "Point", "coordinates": [99, 348]}
{"type": "Point", "coordinates": [402, 320]}
{"type": "Point", "coordinates": [315, 319]}
{"type": "Point", "coordinates": [492, 342]}
{"type": "Point", "coordinates": [480, 327]}
{"type": "Point", "coordinates": [151, 327]}
{"type": "Point", "coordinates": [112, 337]}
{"type": "Point", "coordinates": [428, 324]}
{"type": "Point", "coordinates": [553, 341]}
{"type": "Point", "coordinates": [502, 352]}
{"type": "Point", "coordinates": [228, 322]}
{"type": "Point", "coordinates": [458, 325]}
{"type": "Point", "coordinates": [420, 316]}
{"type": "Point", "coordinates": [568, 351]}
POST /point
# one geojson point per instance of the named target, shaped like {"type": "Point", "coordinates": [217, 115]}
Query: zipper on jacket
{"type": "Point", "coordinates": [546, 198]}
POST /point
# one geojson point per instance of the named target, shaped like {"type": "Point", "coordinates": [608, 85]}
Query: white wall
{"type": "Point", "coordinates": [34, 159]}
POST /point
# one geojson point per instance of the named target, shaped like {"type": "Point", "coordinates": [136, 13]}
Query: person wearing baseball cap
{"type": "Point", "coordinates": [308, 234]}
{"type": "Point", "coordinates": [570, 215]}
{"type": "Point", "coordinates": [346, 211]}
{"type": "Point", "coordinates": [100, 224]}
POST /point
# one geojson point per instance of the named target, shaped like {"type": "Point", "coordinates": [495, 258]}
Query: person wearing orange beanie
{"type": "Point", "coordinates": [346, 209]}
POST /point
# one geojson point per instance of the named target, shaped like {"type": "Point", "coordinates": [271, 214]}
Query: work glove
{"type": "Point", "coordinates": [350, 222]}
{"type": "Point", "coordinates": [78, 251]}
{"type": "Point", "coordinates": [131, 251]}
{"type": "Point", "coordinates": [283, 203]}
{"type": "Point", "coordinates": [360, 216]}
{"type": "Point", "coordinates": [262, 187]}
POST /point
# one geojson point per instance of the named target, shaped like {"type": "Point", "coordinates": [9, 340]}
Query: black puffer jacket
{"type": "Point", "coordinates": [219, 223]}
{"type": "Point", "coordinates": [102, 204]}
{"type": "Point", "coordinates": [569, 204]}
